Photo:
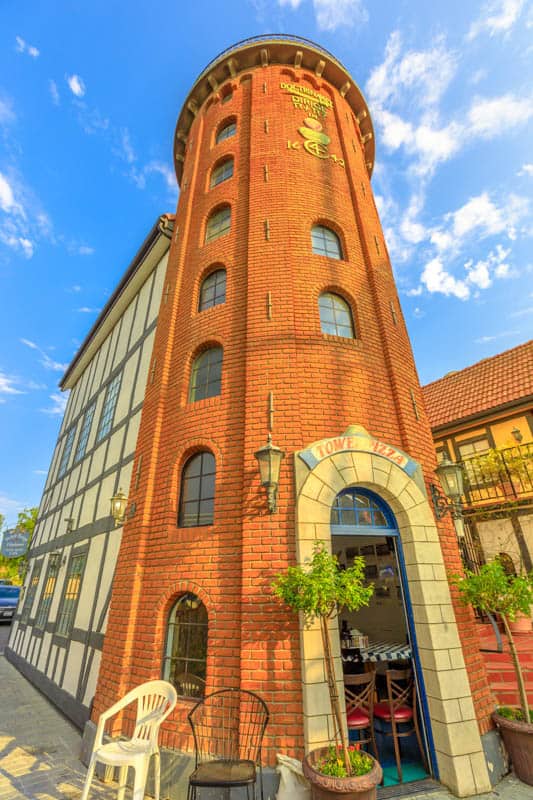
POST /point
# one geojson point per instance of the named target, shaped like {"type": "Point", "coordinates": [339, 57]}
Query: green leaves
{"type": "Point", "coordinates": [494, 591]}
{"type": "Point", "coordinates": [320, 588]}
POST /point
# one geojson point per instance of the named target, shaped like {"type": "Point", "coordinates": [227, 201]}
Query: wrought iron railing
{"type": "Point", "coordinates": [499, 475]}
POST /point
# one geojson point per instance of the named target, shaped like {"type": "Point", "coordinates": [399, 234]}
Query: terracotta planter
{"type": "Point", "coordinates": [518, 739]}
{"type": "Point", "coordinates": [326, 787]}
{"type": "Point", "coordinates": [522, 624]}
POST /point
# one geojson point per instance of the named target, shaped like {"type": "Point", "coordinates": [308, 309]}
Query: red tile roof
{"type": "Point", "coordinates": [486, 385]}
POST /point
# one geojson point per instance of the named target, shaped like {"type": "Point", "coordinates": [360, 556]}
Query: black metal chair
{"type": "Point", "coordinates": [228, 728]}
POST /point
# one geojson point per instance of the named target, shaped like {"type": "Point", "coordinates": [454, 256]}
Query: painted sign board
{"type": "Point", "coordinates": [15, 543]}
{"type": "Point", "coordinates": [357, 441]}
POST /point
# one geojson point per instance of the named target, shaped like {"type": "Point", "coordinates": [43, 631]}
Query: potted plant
{"type": "Point", "coordinates": [320, 590]}
{"type": "Point", "coordinates": [495, 591]}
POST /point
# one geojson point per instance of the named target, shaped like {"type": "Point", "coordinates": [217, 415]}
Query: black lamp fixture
{"type": "Point", "coordinates": [450, 476]}
{"type": "Point", "coordinates": [269, 460]}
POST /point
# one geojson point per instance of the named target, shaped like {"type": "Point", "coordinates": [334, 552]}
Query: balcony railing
{"type": "Point", "coordinates": [500, 475]}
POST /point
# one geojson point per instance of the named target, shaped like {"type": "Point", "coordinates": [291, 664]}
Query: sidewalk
{"type": "Point", "coordinates": [39, 751]}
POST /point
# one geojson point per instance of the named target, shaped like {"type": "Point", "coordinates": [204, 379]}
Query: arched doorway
{"type": "Point", "coordinates": [380, 637]}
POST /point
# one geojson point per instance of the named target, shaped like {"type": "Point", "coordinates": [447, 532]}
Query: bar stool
{"type": "Point", "coordinates": [359, 694]}
{"type": "Point", "coordinates": [400, 709]}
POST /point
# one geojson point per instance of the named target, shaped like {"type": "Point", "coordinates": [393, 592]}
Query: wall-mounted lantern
{"type": "Point", "coordinates": [450, 476]}
{"type": "Point", "coordinates": [119, 504]}
{"type": "Point", "coordinates": [269, 460]}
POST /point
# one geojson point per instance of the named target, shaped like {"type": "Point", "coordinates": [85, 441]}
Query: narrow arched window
{"type": "Point", "coordinates": [335, 316]}
{"type": "Point", "coordinates": [218, 224]}
{"type": "Point", "coordinates": [222, 172]}
{"type": "Point", "coordinates": [206, 375]}
{"type": "Point", "coordinates": [184, 663]}
{"type": "Point", "coordinates": [197, 496]}
{"type": "Point", "coordinates": [213, 291]}
{"type": "Point", "coordinates": [325, 242]}
{"type": "Point", "coordinates": [226, 131]}
{"type": "Point", "coordinates": [360, 508]}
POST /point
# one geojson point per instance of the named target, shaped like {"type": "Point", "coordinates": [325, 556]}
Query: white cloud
{"type": "Point", "coordinates": [488, 117]}
{"type": "Point", "coordinates": [85, 250]}
{"type": "Point", "coordinates": [87, 310]}
{"type": "Point", "coordinates": [418, 313]}
{"type": "Point", "coordinates": [24, 47]}
{"type": "Point", "coordinates": [331, 14]}
{"type": "Point", "coordinates": [497, 16]}
{"type": "Point", "coordinates": [76, 85]}
{"type": "Point", "coordinates": [482, 215]}
{"type": "Point", "coordinates": [7, 384]}
{"type": "Point", "coordinates": [436, 279]}
{"type": "Point", "coordinates": [59, 404]}
{"type": "Point", "coordinates": [54, 92]}
{"type": "Point", "coordinates": [7, 198]}
{"type": "Point", "coordinates": [7, 114]}
{"type": "Point", "coordinates": [527, 169]}
{"type": "Point", "coordinates": [45, 360]}
{"type": "Point", "coordinates": [522, 312]}
{"type": "Point", "coordinates": [40, 472]}
{"type": "Point", "coordinates": [9, 508]}
{"type": "Point", "coordinates": [76, 288]}
{"type": "Point", "coordinates": [494, 337]}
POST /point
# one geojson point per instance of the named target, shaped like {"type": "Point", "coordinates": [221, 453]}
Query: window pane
{"type": "Point", "coordinates": [108, 409]}
{"type": "Point", "coordinates": [71, 591]}
{"type": "Point", "coordinates": [335, 316]}
{"type": "Point", "coordinates": [186, 646]}
{"type": "Point", "coordinates": [221, 173]}
{"type": "Point", "coordinates": [218, 224]}
{"type": "Point", "coordinates": [325, 242]}
{"type": "Point", "coordinates": [226, 132]}
{"type": "Point", "coordinates": [197, 492]}
{"type": "Point", "coordinates": [65, 458]}
{"type": "Point", "coordinates": [84, 433]}
{"type": "Point", "coordinates": [206, 375]}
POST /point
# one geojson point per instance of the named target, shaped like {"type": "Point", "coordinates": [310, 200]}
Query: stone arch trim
{"type": "Point", "coordinates": [459, 752]}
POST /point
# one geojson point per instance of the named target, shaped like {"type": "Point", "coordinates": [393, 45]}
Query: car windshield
{"type": "Point", "coordinates": [9, 591]}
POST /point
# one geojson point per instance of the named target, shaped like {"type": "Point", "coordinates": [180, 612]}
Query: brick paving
{"type": "Point", "coordinates": [39, 752]}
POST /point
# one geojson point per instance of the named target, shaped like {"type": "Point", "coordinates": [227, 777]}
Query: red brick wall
{"type": "Point", "coordinates": [320, 385]}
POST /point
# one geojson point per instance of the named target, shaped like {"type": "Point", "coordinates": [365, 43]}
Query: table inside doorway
{"type": "Point", "coordinates": [378, 651]}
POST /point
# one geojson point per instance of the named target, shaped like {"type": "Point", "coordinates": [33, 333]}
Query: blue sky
{"type": "Point", "coordinates": [89, 97]}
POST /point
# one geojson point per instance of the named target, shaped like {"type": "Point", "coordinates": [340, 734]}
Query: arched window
{"type": "Point", "coordinates": [184, 663]}
{"type": "Point", "coordinates": [218, 224]}
{"type": "Point", "coordinates": [362, 509]}
{"type": "Point", "coordinates": [213, 291]}
{"type": "Point", "coordinates": [222, 172]}
{"type": "Point", "coordinates": [226, 131]}
{"type": "Point", "coordinates": [325, 242]}
{"type": "Point", "coordinates": [335, 316]}
{"type": "Point", "coordinates": [197, 497]}
{"type": "Point", "coordinates": [206, 375]}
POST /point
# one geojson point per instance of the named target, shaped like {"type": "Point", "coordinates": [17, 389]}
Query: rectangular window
{"type": "Point", "coordinates": [108, 410]}
{"type": "Point", "coordinates": [71, 593]}
{"type": "Point", "coordinates": [43, 608]}
{"type": "Point", "coordinates": [469, 449]}
{"type": "Point", "coordinates": [67, 450]}
{"type": "Point", "coordinates": [84, 433]}
{"type": "Point", "coordinates": [30, 593]}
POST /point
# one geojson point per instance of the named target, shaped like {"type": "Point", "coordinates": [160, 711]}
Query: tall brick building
{"type": "Point", "coordinates": [279, 316]}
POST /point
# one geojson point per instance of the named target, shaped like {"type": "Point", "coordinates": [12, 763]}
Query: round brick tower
{"type": "Point", "coordinates": [280, 315]}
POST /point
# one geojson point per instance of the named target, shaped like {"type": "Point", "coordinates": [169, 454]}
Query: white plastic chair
{"type": "Point", "coordinates": [155, 701]}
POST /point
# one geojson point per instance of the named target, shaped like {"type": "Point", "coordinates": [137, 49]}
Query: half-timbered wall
{"type": "Point", "coordinates": [58, 633]}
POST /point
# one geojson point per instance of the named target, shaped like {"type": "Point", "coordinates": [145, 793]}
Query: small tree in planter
{"type": "Point", "coordinates": [320, 590]}
{"type": "Point", "coordinates": [495, 591]}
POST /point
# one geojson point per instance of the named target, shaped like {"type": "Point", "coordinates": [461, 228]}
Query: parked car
{"type": "Point", "coordinates": [9, 597]}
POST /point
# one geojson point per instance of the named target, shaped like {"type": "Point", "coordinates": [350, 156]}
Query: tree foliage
{"type": "Point", "coordinates": [494, 591]}
{"type": "Point", "coordinates": [321, 588]}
